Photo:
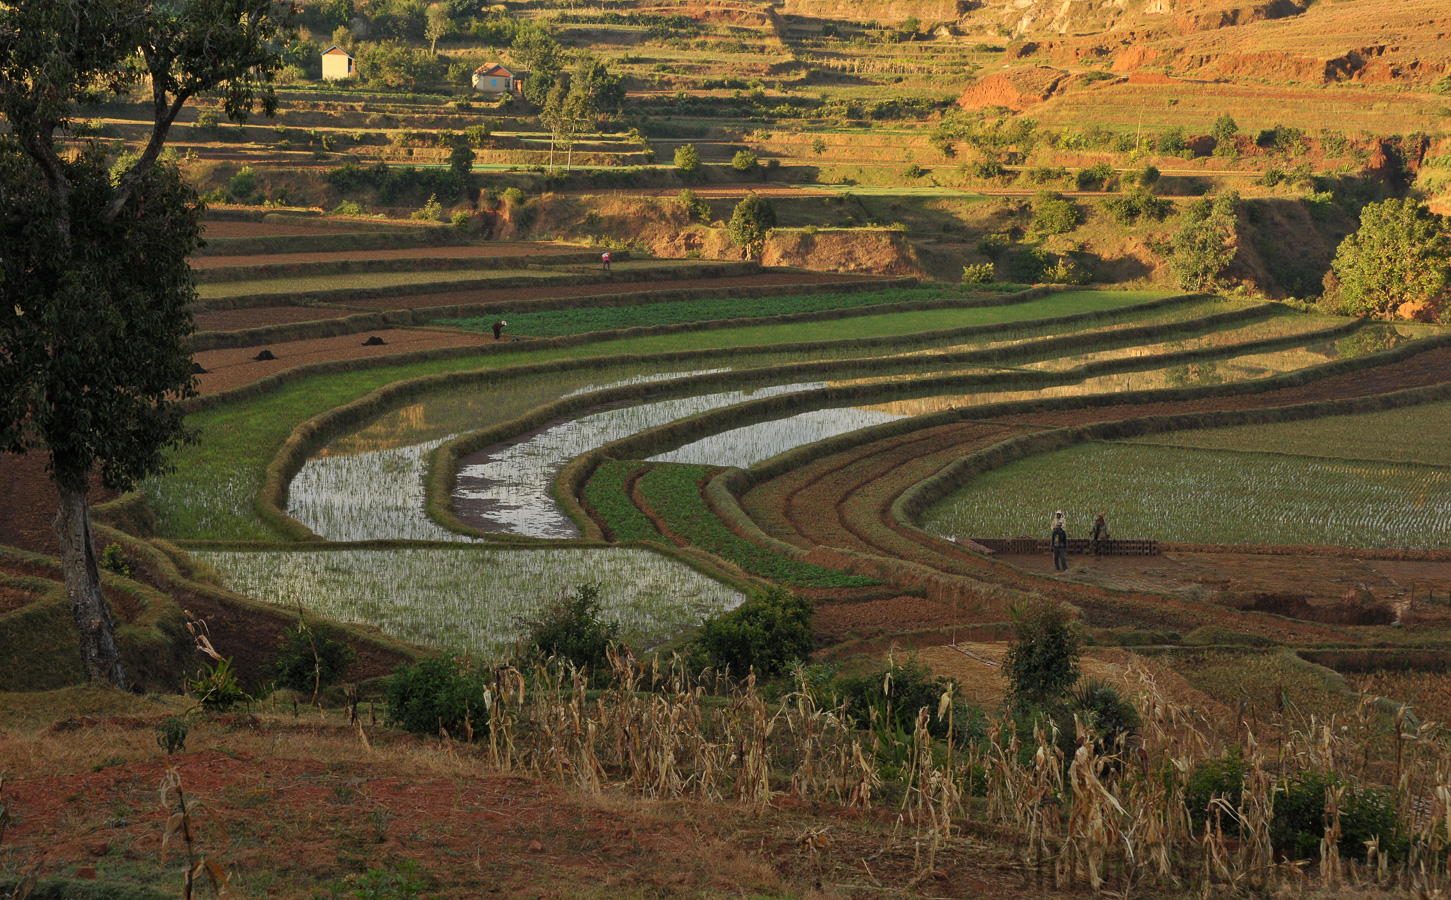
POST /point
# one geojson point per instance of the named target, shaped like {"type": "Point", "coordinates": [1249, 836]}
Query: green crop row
{"type": "Point", "coordinates": [580, 321]}
{"type": "Point", "coordinates": [673, 493]}
{"type": "Point", "coordinates": [607, 496]}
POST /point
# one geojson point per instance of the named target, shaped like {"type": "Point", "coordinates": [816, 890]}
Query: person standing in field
{"type": "Point", "coordinates": [1100, 534]}
{"type": "Point", "coordinates": [499, 329]}
{"type": "Point", "coordinates": [605, 260]}
{"type": "Point", "coordinates": [1058, 541]}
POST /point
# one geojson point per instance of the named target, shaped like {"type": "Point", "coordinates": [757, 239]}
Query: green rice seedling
{"type": "Point", "coordinates": [1191, 495]}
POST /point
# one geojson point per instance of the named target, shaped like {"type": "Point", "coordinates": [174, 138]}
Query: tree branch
{"type": "Point", "coordinates": [165, 111]}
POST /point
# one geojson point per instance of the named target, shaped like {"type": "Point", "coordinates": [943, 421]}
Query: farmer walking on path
{"type": "Point", "coordinates": [1059, 542]}
{"type": "Point", "coordinates": [1100, 534]}
{"type": "Point", "coordinates": [499, 329]}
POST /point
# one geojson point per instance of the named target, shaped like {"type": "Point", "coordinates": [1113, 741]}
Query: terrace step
{"type": "Point", "coordinates": [297, 240]}
{"type": "Point", "coordinates": [219, 269]}
{"type": "Point", "coordinates": [300, 295]}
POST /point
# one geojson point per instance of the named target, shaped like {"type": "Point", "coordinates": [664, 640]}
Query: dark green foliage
{"type": "Point", "coordinates": [570, 628]}
{"type": "Point", "coordinates": [1028, 264]}
{"type": "Point", "coordinates": [1054, 214]}
{"type": "Point", "coordinates": [310, 656]}
{"type": "Point", "coordinates": [433, 693]}
{"type": "Point", "coordinates": [752, 220]}
{"type": "Point", "coordinates": [1095, 177]}
{"type": "Point", "coordinates": [1223, 778]}
{"type": "Point", "coordinates": [1129, 208]}
{"type": "Point", "coordinates": [114, 559]}
{"type": "Point", "coordinates": [1397, 264]}
{"type": "Point", "coordinates": [695, 207]}
{"type": "Point", "coordinates": [1203, 245]}
{"type": "Point", "coordinates": [1111, 717]}
{"type": "Point", "coordinates": [1366, 813]}
{"type": "Point", "coordinates": [987, 169]}
{"type": "Point", "coordinates": [1171, 142]}
{"type": "Point", "coordinates": [673, 493]}
{"type": "Point", "coordinates": [394, 65]}
{"type": "Point", "coordinates": [744, 161]}
{"type": "Point", "coordinates": [899, 691]}
{"type": "Point", "coordinates": [993, 245]}
{"type": "Point", "coordinates": [1041, 664]}
{"type": "Point", "coordinates": [171, 735]}
{"type": "Point", "coordinates": [1282, 139]}
{"type": "Point", "coordinates": [395, 182]}
{"type": "Point", "coordinates": [461, 161]}
{"type": "Point", "coordinates": [768, 634]}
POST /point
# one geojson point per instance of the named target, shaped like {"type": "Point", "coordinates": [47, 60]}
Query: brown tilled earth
{"type": "Point", "coordinates": [296, 806]}
{"type": "Point", "coordinates": [227, 369]}
{"type": "Point", "coordinates": [28, 503]}
{"type": "Point", "coordinates": [466, 251]}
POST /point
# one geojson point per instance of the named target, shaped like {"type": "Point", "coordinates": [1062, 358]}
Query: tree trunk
{"type": "Point", "coordinates": [94, 627]}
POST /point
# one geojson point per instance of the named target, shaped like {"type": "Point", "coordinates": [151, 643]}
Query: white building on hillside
{"type": "Point", "coordinates": [337, 64]}
{"type": "Point", "coordinates": [493, 78]}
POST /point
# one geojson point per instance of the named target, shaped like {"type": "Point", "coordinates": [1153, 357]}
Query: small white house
{"type": "Point", "coordinates": [337, 64]}
{"type": "Point", "coordinates": [492, 78]}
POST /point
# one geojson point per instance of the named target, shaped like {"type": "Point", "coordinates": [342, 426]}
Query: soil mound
{"type": "Point", "coordinates": [374, 341]}
{"type": "Point", "coordinates": [1014, 90]}
{"type": "Point", "coordinates": [196, 369]}
{"type": "Point", "coordinates": [264, 356]}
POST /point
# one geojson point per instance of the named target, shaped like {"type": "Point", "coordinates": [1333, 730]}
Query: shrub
{"type": "Point", "coordinates": [1062, 271]}
{"type": "Point", "coordinates": [207, 120]}
{"type": "Point", "coordinates": [818, 145]}
{"type": "Point", "coordinates": [114, 559]}
{"type": "Point", "coordinates": [401, 881]}
{"type": "Point", "coordinates": [1028, 264]}
{"type": "Point", "coordinates": [349, 208]}
{"type": "Point", "coordinates": [513, 198]}
{"type": "Point", "coordinates": [571, 628]}
{"type": "Point", "coordinates": [1272, 177]}
{"type": "Point", "coordinates": [311, 657]}
{"type": "Point", "coordinates": [242, 184]}
{"type": "Point", "coordinates": [768, 633]}
{"type": "Point", "coordinates": [1222, 778]}
{"type": "Point", "coordinates": [897, 692]}
{"type": "Point", "coordinates": [993, 245]}
{"type": "Point", "coordinates": [1054, 214]}
{"type": "Point", "coordinates": [1112, 718]}
{"type": "Point", "coordinates": [432, 211]}
{"type": "Point", "coordinates": [1225, 129]}
{"type": "Point", "coordinates": [987, 169]}
{"type": "Point", "coordinates": [1095, 177]}
{"type": "Point", "coordinates": [433, 693]}
{"type": "Point", "coordinates": [1171, 141]}
{"type": "Point", "coordinates": [687, 160]}
{"type": "Point", "coordinates": [1042, 661]}
{"type": "Point", "coordinates": [744, 161]}
{"type": "Point", "coordinates": [982, 273]}
{"type": "Point", "coordinates": [1129, 208]}
{"type": "Point", "coordinates": [1298, 825]}
{"type": "Point", "coordinates": [460, 220]}
{"type": "Point", "coordinates": [695, 207]}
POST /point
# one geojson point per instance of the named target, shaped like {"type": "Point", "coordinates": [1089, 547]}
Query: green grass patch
{"type": "Point", "coordinates": [673, 493]}
{"type": "Point", "coordinates": [1207, 496]}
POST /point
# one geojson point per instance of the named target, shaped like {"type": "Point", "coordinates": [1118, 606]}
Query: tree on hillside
{"type": "Point", "coordinates": [1204, 244]}
{"type": "Point", "coordinates": [537, 51]}
{"type": "Point", "coordinates": [1225, 128]}
{"type": "Point", "coordinates": [1397, 265]}
{"type": "Point", "coordinates": [687, 160]}
{"type": "Point", "coordinates": [94, 270]}
{"type": "Point", "coordinates": [436, 25]}
{"type": "Point", "coordinates": [753, 219]}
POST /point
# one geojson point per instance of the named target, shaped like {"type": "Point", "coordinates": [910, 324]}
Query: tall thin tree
{"type": "Point", "coordinates": [97, 289]}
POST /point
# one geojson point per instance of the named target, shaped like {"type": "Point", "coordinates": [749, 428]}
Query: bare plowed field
{"type": "Point", "coordinates": [228, 369]}
{"type": "Point", "coordinates": [467, 251]}
{"type": "Point", "coordinates": [28, 502]}
{"type": "Point", "coordinates": [509, 295]}
{"type": "Point", "coordinates": [238, 319]}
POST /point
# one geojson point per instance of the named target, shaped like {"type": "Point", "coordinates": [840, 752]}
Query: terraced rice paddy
{"type": "Point", "coordinates": [1205, 496]}
{"type": "Point", "coordinates": [507, 489]}
{"type": "Point", "coordinates": [750, 444]}
{"type": "Point", "coordinates": [472, 598]}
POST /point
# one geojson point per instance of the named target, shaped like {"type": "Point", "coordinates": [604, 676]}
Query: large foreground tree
{"type": "Point", "coordinates": [93, 246]}
{"type": "Point", "coordinates": [1397, 265]}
